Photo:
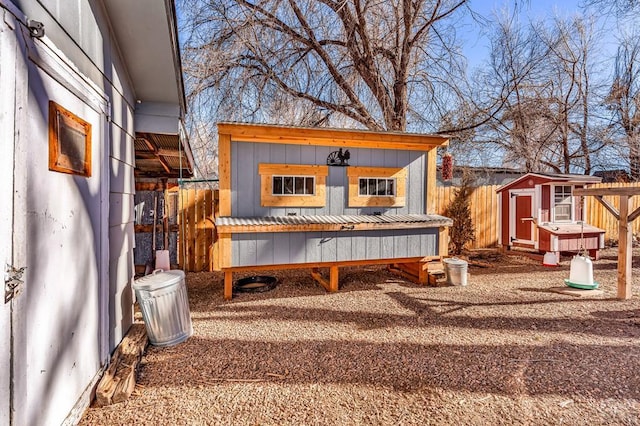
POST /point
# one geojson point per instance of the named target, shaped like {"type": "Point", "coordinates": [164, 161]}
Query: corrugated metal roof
{"type": "Point", "coordinates": [431, 219]}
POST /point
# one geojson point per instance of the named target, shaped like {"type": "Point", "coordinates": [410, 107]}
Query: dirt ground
{"type": "Point", "coordinates": [504, 349]}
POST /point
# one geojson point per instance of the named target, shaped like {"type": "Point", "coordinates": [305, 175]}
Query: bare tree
{"type": "Point", "coordinates": [624, 99]}
{"type": "Point", "coordinates": [543, 73]}
{"type": "Point", "coordinates": [513, 78]}
{"type": "Point", "coordinates": [572, 91]}
{"type": "Point", "coordinates": [310, 62]}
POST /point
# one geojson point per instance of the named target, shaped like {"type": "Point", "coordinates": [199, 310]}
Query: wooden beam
{"type": "Point", "coordinates": [628, 191]}
{"type": "Point", "coordinates": [224, 174]}
{"type": "Point", "coordinates": [283, 266]}
{"type": "Point", "coordinates": [224, 251]}
{"type": "Point", "coordinates": [443, 241]}
{"type": "Point", "coordinates": [315, 273]}
{"type": "Point", "coordinates": [624, 250]}
{"type": "Point", "coordinates": [607, 205]}
{"type": "Point", "coordinates": [634, 215]}
{"type": "Point", "coordinates": [333, 278]}
{"type": "Point", "coordinates": [332, 285]}
{"type": "Point", "coordinates": [430, 184]}
{"type": "Point", "coordinates": [154, 150]}
{"type": "Point", "coordinates": [159, 228]}
{"type": "Point", "coordinates": [228, 285]}
{"type": "Point", "coordinates": [330, 137]}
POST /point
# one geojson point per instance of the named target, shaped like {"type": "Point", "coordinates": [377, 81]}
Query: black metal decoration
{"type": "Point", "coordinates": [339, 158]}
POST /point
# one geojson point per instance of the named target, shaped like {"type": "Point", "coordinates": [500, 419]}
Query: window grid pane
{"type": "Point", "coordinates": [277, 185]}
{"type": "Point", "coordinates": [381, 187]}
{"type": "Point", "coordinates": [293, 185]}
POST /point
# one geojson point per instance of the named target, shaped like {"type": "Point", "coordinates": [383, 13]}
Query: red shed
{"type": "Point", "coordinates": [538, 211]}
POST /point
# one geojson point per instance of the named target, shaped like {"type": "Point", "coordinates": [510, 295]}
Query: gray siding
{"type": "Point", "coordinates": [245, 181]}
{"type": "Point", "coordinates": [313, 247]}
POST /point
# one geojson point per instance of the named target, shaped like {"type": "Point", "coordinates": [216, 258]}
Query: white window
{"type": "Point", "coordinates": [294, 185]}
{"type": "Point", "coordinates": [381, 187]}
{"type": "Point", "coordinates": [563, 205]}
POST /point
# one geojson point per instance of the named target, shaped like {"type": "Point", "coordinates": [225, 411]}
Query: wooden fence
{"type": "Point", "coordinates": [196, 234]}
{"type": "Point", "coordinates": [198, 206]}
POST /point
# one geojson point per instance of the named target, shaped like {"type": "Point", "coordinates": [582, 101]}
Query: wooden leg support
{"type": "Point", "coordinates": [333, 278]}
{"type": "Point", "coordinates": [228, 285]}
{"type": "Point", "coordinates": [331, 285]}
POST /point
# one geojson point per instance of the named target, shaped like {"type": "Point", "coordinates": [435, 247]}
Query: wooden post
{"type": "Point", "coordinates": [624, 250]}
{"type": "Point", "coordinates": [333, 278]}
{"type": "Point", "coordinates": [625, 219]}
{"type": "Point", "coordinates": [228, 285]}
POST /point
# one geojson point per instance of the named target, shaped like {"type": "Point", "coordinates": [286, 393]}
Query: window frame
{"type": "Point", "coordinates": [399, 174]}
{"type": "Point", "coordinates": [554, 204]}
{"type": "Point", "coordinates": [268, 171]}
{"type": "Point", "coordinates": [58, 160]}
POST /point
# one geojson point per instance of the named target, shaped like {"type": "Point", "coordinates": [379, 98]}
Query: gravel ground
{"type": "Point", "coordinates": [382, 351]}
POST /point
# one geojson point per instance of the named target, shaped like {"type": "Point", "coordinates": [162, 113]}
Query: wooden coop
{"type": "Point", "coordinates": [294, 197]}
{"type": "Point", "coordinates": [538, 211]}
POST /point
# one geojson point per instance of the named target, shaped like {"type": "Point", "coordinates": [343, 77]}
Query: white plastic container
{"type": "Point", "coordinates": [581, 271]}
{"type": "Point", "coordinates": [550, 259]}
{"type": "Point", "coordinates": [165, 307]}
{"type": "Point", "coordinates": [456, 271]}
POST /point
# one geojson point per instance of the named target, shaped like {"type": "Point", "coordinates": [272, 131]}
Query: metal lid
{"type": "Point", "coordinates": [455, 261]}
{"type": "Point", "coordinates": [158, 279]}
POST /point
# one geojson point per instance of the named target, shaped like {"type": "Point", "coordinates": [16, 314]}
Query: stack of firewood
{"type": "Point", "coordinates": [119, 380]}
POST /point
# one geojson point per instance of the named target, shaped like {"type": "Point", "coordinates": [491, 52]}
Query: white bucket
{"type": "Point", "coordinates": [550, 259]}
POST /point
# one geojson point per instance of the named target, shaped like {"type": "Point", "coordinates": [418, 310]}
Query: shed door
{"type": "Point", "coordinates": [523, 218]}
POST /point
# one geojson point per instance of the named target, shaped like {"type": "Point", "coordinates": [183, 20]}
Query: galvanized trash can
{"type": "Point", "coordinates": [165, 307]}
{"type": "Point", "coordinates": [456, 271]}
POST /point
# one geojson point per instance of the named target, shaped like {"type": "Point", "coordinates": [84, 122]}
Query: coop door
{"type": "Point", "coordinates": [522, 225]}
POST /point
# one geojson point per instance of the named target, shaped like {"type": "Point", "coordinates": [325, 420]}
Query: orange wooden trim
{"type": "Point", "coordinates": [59, 161]}
{"type": "Point", "coordinates": [284, 266]}
{"type": "Point", "coordinates": [443, 241]}
{"type": "Point", "coordinates": [315, 273]}
{"type": "Point", "coordinates": [224, 251]}
{"type": "Point", "coordinates": [228, 285]}
{"type": "Point", "coordinates": [292, 169]}
{"type": "Point", "coordinates": [224, 174]}
{"type": "Point", "coordinates": [357, 200]}
{"type": "Point", "coordinates": [430, 185]}
{"type": "Point", "coordinates": [377, 172]}
{"type": "Point", "coordinates": [334, 273]}
{"type": "Point", "coordinates": [405, 272]}
{"type": "Point", "coordinates": [330, 137]}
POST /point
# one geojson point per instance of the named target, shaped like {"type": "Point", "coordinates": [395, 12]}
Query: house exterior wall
{"type": "Point", "coordinates": [77, 236]}
{"type": "Point", "coordinates": [283, 248]}
{"type": "Point", "coordinates": [245, 180]}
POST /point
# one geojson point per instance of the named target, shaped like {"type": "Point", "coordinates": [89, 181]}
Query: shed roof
{"type": "Point", "coordinates": [554, 177]}
{"type": "Point", "coordinates": [329, 222]}
{"type": "Point", "coordinates": [348, 138]}
{"type": "Point", "coordinates": [147, 35]}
